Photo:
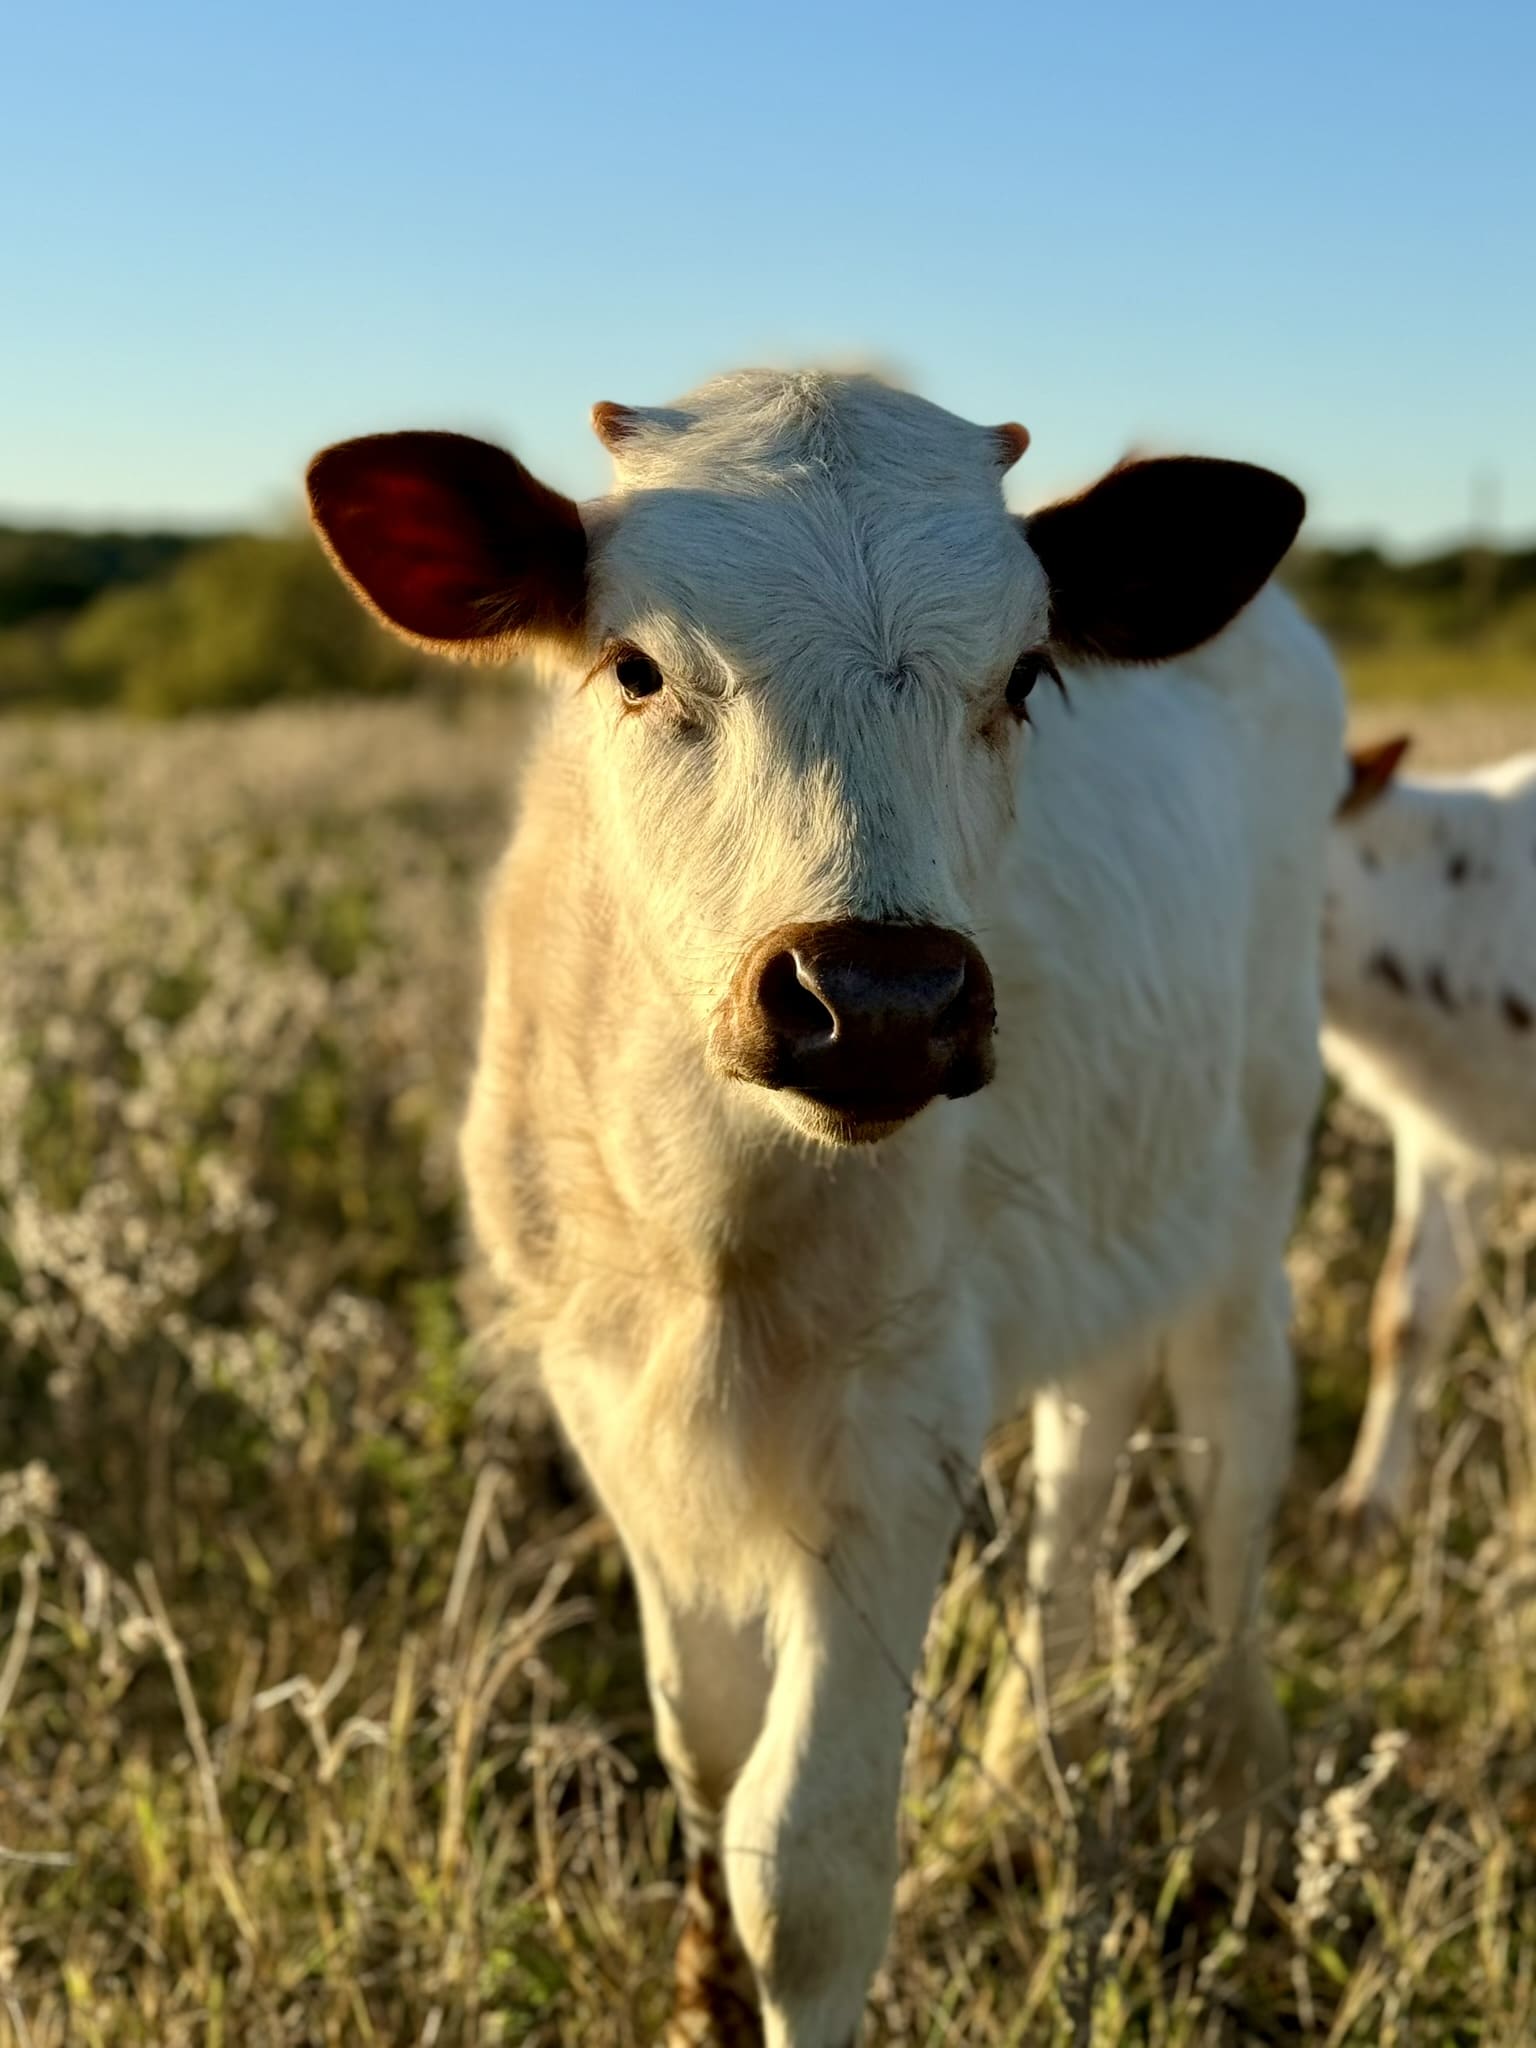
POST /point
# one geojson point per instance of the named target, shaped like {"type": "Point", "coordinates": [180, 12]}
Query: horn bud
{"type": "Point", "coordinates": [1011, 440]}
{"type": "Point", "coordinates": [612, 423]}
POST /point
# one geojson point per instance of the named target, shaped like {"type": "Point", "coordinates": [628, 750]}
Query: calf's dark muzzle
{"type": "Point", "coordinates": [868, 1020]}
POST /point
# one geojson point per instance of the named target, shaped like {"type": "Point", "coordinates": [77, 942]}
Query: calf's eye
{"type": "Point", "coordinates": [638, 676]}
{"type": "Point", "coordinates": [1027, 671]}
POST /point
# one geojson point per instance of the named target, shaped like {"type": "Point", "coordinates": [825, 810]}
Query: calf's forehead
{"type": "Point", "coordinates": [773, 514]}
{"type": "Point", "coordinates": [757, 426]}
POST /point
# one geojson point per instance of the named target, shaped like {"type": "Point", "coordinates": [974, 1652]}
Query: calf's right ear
{"type": "Point", "coordinates": [452, 543]}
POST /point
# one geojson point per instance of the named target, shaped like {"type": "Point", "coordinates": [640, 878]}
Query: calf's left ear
{"type": "Point", "coordinates": [452, 542]}
{"type": "Point", "coordinates": [1158, 556]}
{"type": "Point", "coordinates": [1371, 771]}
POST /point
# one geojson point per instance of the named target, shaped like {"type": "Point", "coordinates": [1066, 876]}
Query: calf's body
{"type": "Point", "coordinates": [778, 1349]}
{"type": "Point", "coordinates": [1430, 998]}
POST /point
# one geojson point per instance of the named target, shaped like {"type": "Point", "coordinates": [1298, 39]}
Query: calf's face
{"type": "Point", "coordinates": [808, 631]}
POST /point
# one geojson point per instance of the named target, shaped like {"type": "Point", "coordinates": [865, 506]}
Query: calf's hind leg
{"type": "Point", "coordinates": [1437, 1213]}
{"type": "Point", "coordinates": [1080, 1436]}
{"type": "Point", "coordinates": [1233, 1384]}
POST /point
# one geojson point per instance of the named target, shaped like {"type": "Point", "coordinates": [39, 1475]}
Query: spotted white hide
{"type": "Point", "coordinates": [876, 1034]}
{"type": "Point", "coordinates": [1429, 963]}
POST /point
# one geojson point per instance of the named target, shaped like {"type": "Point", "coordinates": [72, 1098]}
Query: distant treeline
{"type": "Point", "coordinates": [161, 623]}
{"type": "Point", "coordinates": [1362, 598]}
{"type": "Point", "coordinates": [166, 623]}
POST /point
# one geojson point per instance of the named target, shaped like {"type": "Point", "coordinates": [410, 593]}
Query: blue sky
{"type": "Point", "coordinates": [1303, 235]}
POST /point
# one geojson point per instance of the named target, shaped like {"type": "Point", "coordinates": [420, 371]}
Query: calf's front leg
{"type": "Point", "coordinates": [810, 1842]}
{"type": "Point", "coordinates": [707, 1674]}
{"type": "Point", "coordinates": [708, 1681]}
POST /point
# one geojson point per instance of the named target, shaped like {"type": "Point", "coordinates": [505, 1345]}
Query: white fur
{"type": "Point", "coordinates": [778, 1361]}
{"type": "Point", "coordinates": [1429, 961]}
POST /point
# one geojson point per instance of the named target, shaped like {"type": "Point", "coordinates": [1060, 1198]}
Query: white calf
{"type": "Point", "coordinates": [807, 861]}
{"type": "Point", "coordinates": [1429, 966]}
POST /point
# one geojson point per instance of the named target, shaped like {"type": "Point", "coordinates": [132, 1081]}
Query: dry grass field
{"type": "Point", "coordinates": [321, 1709]}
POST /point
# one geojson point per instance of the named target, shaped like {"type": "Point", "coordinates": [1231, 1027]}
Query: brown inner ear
{"type": "Point", "coordinates": [452, 541]}
{"type": "Point", "coordinates": [1157, 557]}
{"type": "Point", "coordinates": [1371, 770]}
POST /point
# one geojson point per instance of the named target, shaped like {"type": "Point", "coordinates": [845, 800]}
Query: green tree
{"type": "Point", "coordinates": [241, 622]}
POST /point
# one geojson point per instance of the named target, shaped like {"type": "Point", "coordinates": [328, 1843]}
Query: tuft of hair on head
{"type": "Point", "coordinates": [1371, 772]}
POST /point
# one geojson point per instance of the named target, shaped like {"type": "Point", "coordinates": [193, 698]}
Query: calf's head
{"type": "Point", "coordinates": [808, 631]}
{"type": "Point", "coordinates": [1386, 861]}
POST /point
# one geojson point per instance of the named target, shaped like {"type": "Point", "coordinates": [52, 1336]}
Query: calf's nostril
{"type": "Point", "coordinates": [955, 1013]}
{"type": "Point", "coordinates": [791, 1004]}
